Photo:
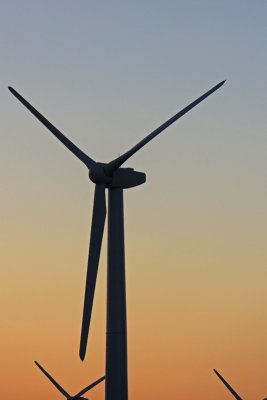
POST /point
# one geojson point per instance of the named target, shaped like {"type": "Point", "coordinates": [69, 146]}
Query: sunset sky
{"type": "Point", "coordinates": [106, 73]}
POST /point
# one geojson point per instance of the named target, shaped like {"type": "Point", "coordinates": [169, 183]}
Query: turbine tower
{"type": "Point", "coordinates": [77, 396]}
{"type": "Point", "coordinates": [114, 178]}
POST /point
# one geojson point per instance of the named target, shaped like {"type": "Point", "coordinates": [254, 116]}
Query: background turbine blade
{"type": "Point", "coordinates": [115, 164]}
{"type": "Point", "coordinates": [89, 162]}
{"type": "Point", "coordinates": [88, 388]}
{"type": "Point", "coordinates": [227, 385]}
{"type": "Point", "coordinates": [97, 230]}
{"type": "Point", "coordinates": [52, 380]}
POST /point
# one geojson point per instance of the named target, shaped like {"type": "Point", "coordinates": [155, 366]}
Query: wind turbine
{"type": "Point", "coordinates": [77, 396]}
{"type": "Point", "coordinates": [228, 386]}
{"type": "Point", "coordinates": [114, 178]}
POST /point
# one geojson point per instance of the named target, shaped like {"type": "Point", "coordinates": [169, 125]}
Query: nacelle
{"type": "Point", "coordinates": [123, 178]}
{"type": "Point", "coordinates": [126, 178]}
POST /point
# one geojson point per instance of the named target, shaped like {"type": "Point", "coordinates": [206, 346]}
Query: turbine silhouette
{"type": "Point", "coordinates": [77, 396]}
{"type": "Point", "coordinates": [115, 179]}
{"type": "Point", "coordinates": [229, 387]}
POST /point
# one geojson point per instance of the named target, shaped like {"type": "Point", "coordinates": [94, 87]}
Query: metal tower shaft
{"type": "Point", "coordinates": [116, 339]}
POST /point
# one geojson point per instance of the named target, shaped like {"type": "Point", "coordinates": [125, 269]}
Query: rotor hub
{"type": "Point", "coordinates": [123, 178]}
{"type": "Point", "coordinates": [97, 174]}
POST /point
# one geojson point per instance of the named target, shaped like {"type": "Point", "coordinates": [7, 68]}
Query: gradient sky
{"type": "Point", "coordinates": [106, 74]}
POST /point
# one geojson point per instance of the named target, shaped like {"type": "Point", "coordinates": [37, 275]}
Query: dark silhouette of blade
{"type": "Point", "coordinates": [227, 385]}
{"type": "Point", "coordinates": [97, 230]}
{"type": "Point", "coordinates": [88, 388]}
{"type": "Point", "coordinates": [115, 164]}
{"type": "Point", "coordinates": [89, 162]}
{"type": "Point", "coordinates": [53, 380]}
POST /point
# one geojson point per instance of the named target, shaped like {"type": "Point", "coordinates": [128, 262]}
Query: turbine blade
{"type": "Point", "coordinates": [115, 164]}
{"type": "Point", "coordinates": [89, 162]}
{"type": "Point", "coordinates": [52, 380]}
{"type": "Point", "coordinates": [88, 388]}
{"type": "Point", "coordinates": [97, 230]}
{"type": "Point", "coordinates": [227, 385]}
